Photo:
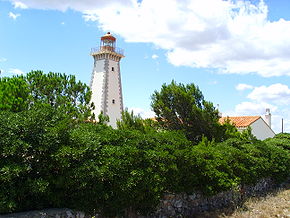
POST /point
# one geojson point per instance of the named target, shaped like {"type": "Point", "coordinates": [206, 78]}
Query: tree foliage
{"type": "Point", "coordinates": [183, 107]}
{"type": "Point", "coordinates": [14, 93]}
{"type": "Point", "coordinates": [49, 160]}
{"type": "Point", "coordinates": [129, 121]}
{"type": "Point", "coordinates": [62, 92]}
{"type": "Point", "coordinates": [28, 140]}
{"type": "Point", "coordinates": [281, 140]}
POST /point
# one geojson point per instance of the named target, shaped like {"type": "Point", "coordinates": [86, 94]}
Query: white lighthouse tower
{"type": "Point", "coordinates": [106, 79]}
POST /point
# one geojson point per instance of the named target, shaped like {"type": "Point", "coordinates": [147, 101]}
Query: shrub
{"type": "Point", "coordinates": [281, 140]}
{"type": "Point", "coordinates": [28, 139]}
{"type": "Point", "coordinates": [49, 159]}
{"type": "Point", "coordinates": [113, 170]}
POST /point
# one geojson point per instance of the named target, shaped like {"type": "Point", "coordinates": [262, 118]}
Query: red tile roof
{"type": "Point", "coordinates": [243, 121]}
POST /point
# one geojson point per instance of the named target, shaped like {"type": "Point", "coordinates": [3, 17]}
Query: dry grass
{"type": "Point", "coordinates": [273, 205]}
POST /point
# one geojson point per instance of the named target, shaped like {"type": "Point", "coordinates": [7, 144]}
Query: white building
{"type": "Point", "coordinates": [260, 128]}
{"type": "Point", "coordinates": [106, 79]}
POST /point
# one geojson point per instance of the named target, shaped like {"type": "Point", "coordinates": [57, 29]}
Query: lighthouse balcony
{"type": "Point", "coordinates": [107, 49]}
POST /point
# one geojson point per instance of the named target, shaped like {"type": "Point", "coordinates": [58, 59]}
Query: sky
{"type": "Point", "coordinates": [236, 52]}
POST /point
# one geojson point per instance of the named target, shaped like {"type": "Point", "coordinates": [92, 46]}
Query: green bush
{"type": "Point", "coordinates": [48, 159]}
{"type": "Point", "coordinates": [281, 140]}
{"type": "Point", "coordinates": [277, 164]}
{"type": "Point", "coordinates": [120, 169]}
{"type": "Point", "coordinates": [28, 139]}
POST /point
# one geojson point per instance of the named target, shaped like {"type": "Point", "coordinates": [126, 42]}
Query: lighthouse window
{"type": "Point", "coordinates": [113, 69]}
{"type": "Point", "coordinates": [113, 101]}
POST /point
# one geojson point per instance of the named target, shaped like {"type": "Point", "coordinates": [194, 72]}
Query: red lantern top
{"type": "Point", "coordinates": [108, 36]}
{"type": "Point", "coordinates": [108, 42]}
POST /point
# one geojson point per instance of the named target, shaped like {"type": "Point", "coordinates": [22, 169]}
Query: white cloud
{"type": "Point", "coordinates": [253, 108]}
{"type": "Point", "coordinates": [13, 16]}
{"type": "Point", "coordinates": [242, 87]}
{"type": "Point", "coordinates": [231, 36]}
{"type": "Point", "coordinates": [154, 56]}
{"type": "Point", "coordinates": [3, 59]}
{"type": "Point", "coordinates": [16, 71]}
{"type": "Point", "coordinates": [143, 113]}
{"type": "Point", "coordinates": [276, 93]}
{"type": "Point", "coordinates": [90, 17]}
{"type": "Point", "coordinates": [64, 5]}
{"type": "Point", "coordinates": [20, 5]}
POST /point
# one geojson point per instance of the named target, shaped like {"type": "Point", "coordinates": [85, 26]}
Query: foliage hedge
{"type": "Point", "coordinates": [49, 160]}
{"type": "Point", "coordinates": [281, 140]}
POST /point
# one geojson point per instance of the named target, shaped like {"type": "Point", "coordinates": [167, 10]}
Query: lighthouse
{"type": "Point", "coordinates": [106, 84]}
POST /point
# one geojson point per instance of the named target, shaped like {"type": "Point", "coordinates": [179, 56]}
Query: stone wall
{"type": "Point", "coordinates": [183, 205]}
{"type": "Point", "coordinates": [172, 205]}
{"type": "Point", "coordinates": [47, 213]}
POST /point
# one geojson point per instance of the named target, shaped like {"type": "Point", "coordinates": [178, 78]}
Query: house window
{"type": "Point", "coordinates": [113, 101]}
{"type": "Point", "coordinates": [113, 69]}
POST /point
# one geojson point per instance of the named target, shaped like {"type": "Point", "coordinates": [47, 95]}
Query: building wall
{"type": "Point", "coordinates": [97, 84]}
{"type": "Point", "coordinates": [106, 87]}
{"type": "Point", "coordinates": [261, 130]}
{"type": "Point", "coordinates": [114, 95]}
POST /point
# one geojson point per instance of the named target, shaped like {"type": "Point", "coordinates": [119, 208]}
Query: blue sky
{"type": "Point", "coordinates": [237, 52]}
